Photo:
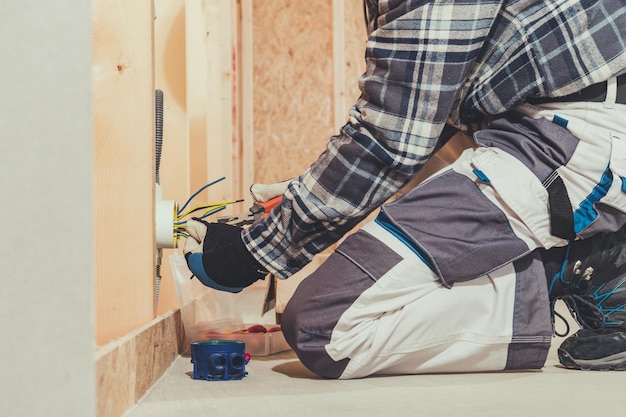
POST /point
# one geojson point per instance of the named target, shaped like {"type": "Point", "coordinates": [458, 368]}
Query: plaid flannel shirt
{"type": "Point", "coordinates": [428, 63]}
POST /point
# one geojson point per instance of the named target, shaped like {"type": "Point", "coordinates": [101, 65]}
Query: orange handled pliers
{"type": "Point", "coordinates": [257, 211]}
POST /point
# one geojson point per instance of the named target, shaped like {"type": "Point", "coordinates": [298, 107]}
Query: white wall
{"type": "Point", "coordinates": [46, 250]}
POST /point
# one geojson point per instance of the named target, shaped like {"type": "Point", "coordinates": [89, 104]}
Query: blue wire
{"type": "Point", "coordinates": [220, 208]}
{"type": "Point", "coordinates": [180, 210]}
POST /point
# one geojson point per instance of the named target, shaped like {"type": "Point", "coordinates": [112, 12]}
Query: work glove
{"type": "Point", "coordinates": [216, 255]}
{"type": "Point", "coordinates": [266, 192]}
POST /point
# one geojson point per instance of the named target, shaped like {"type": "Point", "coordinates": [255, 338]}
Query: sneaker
{"type": "Point", "coordinates": [590, 350]}
{"type": "Point", "coordinates": [592, 284]}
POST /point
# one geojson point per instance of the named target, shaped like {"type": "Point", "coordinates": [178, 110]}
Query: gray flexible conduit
{"type": "Point", "coordinates": [158, 146]}
{"type": "Point", "coordinates": [159, 131]}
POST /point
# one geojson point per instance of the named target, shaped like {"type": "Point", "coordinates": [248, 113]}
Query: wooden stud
{"type": "Point", "coordinates": [246, 99]}
{"type": "Point", "coordinates": [197, 87]}
{"type": "Point", "coordinates": [123, 109]}
{"type": "Point", "coordinates": [339, 61]}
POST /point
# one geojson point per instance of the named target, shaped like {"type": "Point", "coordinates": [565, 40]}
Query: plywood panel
{"type": "Point", "coordinates": [293, 85]}
{"type": "Point", "coordinates": [123, 91]}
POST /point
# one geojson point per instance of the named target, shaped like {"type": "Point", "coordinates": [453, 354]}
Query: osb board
{"type": "Point", "coordinates": [293, 85]}
{"type": "Point", "coordinates": [128, 367]}
{"type": "Point", "coordinates": [123, 109]}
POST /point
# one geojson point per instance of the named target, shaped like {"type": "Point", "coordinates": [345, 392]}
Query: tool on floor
{"type": "Point", "coordinates": [219, 360]}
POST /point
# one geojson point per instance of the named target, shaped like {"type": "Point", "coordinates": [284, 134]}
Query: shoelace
{"type": "Point", "coordinates": [578, 305]}
{"type": "Point", "coordinates": [588, 307]}
{"type": "Point", "coordinates": [574, 303]}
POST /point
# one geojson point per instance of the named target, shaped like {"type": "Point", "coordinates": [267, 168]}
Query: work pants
{"type": "Point", "coordinates": [447, 278]}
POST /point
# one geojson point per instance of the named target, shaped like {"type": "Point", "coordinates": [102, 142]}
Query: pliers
{"type": "Point", "coordinates": [258, 210]}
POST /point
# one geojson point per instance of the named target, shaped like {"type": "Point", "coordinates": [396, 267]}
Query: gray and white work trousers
{"type": "Point", "coordinates": [447, 278]}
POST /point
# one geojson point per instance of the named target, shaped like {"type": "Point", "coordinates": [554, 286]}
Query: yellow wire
{"type": "Point", "coordinates": [181, 225]}
{"type": "Point", "coordinates": [203, 206]}
{"type": "Point", "coordinates": [210, 211]}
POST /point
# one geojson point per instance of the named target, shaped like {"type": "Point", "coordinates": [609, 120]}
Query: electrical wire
{"type": "Point", "coordinates": [207, 213]}
{"type": "Point", "coordinates": [204, 206]}
{"type": "Point", "coordinates": [198, 192]}
{"type": "Point", "coordinates": [180, 223]}
{"type": "Point", "coordinates": [180, 226]}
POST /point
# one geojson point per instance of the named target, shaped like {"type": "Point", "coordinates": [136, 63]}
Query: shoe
{"type": "Point", "coordinates": [592, 283]}
{"type": "Point", "coordinates": [593, 351]}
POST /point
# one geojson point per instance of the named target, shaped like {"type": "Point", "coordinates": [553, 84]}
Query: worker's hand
{"type": "Point", "coordinates": [265, 192]}
{"type": "Point", "coordinates": [217, 256]}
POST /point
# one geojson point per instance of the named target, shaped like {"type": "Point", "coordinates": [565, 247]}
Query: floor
{"type": "Point", "coordinates": [279, 385]}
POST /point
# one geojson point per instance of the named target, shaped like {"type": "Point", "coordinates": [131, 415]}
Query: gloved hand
{"type": "Point", "coordinates": [216, 255]}
{"type": "Point", "coordinates": [265, 192]}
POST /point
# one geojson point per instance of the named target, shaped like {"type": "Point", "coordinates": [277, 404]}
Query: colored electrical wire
{"type": "Point", "coordinates": [198, 192]}
{"type": "Point", "coordinates": [204, 206]}
{"type": "Point", "coordinates": [208, 213]}
{"type": "Point", "coordinates": [181, 223]}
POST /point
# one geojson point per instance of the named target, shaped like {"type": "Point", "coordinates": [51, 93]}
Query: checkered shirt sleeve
{"type": "Point", "coordinates": [428, 63]}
